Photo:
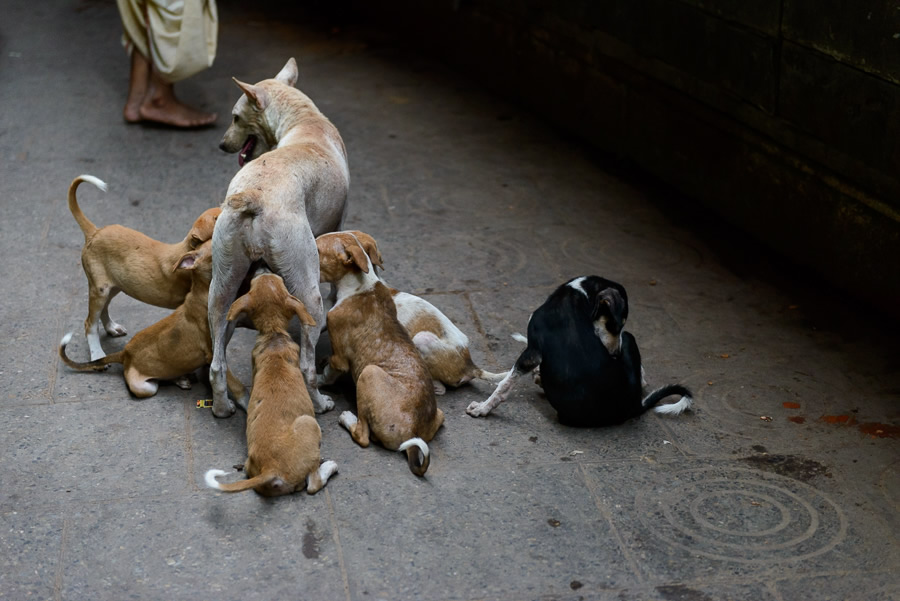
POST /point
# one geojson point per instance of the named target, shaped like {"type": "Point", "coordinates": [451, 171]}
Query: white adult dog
{"type": "Point", "coordinates": [292, 187]}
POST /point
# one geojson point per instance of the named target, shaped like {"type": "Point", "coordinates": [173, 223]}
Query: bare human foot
{"type": "Point", "coordinates": [161, 106]}
{"type": "Point", "coordinates": [150, 98]}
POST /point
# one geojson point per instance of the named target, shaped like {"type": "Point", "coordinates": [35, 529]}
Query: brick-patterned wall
{"type": "Point", "coordinates": [783, 116]}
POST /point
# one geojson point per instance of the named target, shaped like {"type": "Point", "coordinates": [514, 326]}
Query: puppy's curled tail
{"type": "Point", "coordinates": [671, 409]}
{"type": "Point", "coordinates": [86, 225]}
{"type": "Point", "coordinates": [96, 365]}
{"type": "Point", "coordinates": [246, 202]}
{"type": "Point", "coordinates": [413, 448]}
{"type": "Point", "coordinates": [240, 485]}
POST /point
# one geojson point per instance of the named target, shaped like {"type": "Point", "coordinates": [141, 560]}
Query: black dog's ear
{"type": "Point", "coordinates": [609, 302]}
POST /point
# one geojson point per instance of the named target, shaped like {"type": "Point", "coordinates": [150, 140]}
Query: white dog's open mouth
{"type": "Point", "coordinates": [246, 151]}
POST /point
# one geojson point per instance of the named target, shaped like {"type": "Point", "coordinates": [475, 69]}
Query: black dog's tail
{"type": "Point", "coordinates": [673, 408]}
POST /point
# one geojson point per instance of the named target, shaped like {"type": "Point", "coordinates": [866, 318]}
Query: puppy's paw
{"type": "Point", "coordinates": [115, 329]}
{"type": "Point", "coordinates": [328, 469]}
{"type": "Point", "coordinates": [323, 403]}
{"type": "Point", "coordinates": [476, 409]}
{"type": "Point", "coordinates": [347, 419]}
{"type": "Point", "coordinates": [224, 408]}
{"type": "Point", "coordinates": [439, 387]}
{"type": "Point", "coordinates": [183, 383]}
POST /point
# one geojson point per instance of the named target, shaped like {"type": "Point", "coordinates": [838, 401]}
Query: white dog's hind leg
{"type": "Point", "coordinates": [230, 265]}
{"type": "Point", "coordinates": [295, 258]}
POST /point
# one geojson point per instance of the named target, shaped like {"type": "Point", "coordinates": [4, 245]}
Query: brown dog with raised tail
{"type": "Point", "coordinates": [175, 346]}
{"type": "Point", "coordinates": [119, 259]}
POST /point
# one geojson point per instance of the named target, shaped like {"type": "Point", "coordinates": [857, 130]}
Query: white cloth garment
{"type": "Point", "coordinates": [177, 36]}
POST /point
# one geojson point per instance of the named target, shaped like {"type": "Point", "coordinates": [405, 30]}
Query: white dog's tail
{"type": "Point", "coordinates": [84, 223]}
{"type": "Point", "coordinates": [674, 408]}
{"type": "Point", "coordinates": [245, 201]}
{"type": "Point", "coordinates": [414, 447]}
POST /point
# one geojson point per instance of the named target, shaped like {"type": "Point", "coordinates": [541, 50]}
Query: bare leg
{"type": "Point", "coordinates": [137, 86]}
{"type": "Point", "coordinates": [150, 98]}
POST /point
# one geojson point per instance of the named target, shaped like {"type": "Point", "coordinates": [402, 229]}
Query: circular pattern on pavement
{"type": "Point", "coordinates": [741, 515]}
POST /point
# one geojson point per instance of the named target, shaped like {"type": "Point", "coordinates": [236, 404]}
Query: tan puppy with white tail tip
{"type": "Point", "coordinates": [282, 434]}
{"type": "Point", "coordinates": [394, 393]}
{"type": "Point", "coordinates": [119, 259]}
{"type": "Point", "coordinates": [175, 346]}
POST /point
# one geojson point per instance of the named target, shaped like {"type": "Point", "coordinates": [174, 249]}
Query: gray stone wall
{"type": "Point", "coordinates": [783, 116]}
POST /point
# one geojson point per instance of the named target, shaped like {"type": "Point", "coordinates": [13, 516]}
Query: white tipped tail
{"type": "Point", "coordinates": [94, 180]}
{"type": "Point", "coordinates": [210, 478]}
{"type": "Point", "coordinates": [520, 338]}
{"type": "Point", "coordinates": [423, 446]}
{"type": "Point", "coordinates": [412, 458]}
{"type": "Point", "coordinates": [66, 339]}
{"type": "Point", "coordinates": [678, 408]}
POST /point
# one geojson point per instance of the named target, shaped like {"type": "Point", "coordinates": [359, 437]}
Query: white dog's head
{"type": "Point", "coordinates": [250, 133]}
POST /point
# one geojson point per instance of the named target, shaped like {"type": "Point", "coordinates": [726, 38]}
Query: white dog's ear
{"type": "Point", "coordinates": [255, 94]}
{"type": "Point", "coordinates": [289, 73]}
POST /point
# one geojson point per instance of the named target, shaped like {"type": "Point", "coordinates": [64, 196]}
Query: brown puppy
{"type": "Point", "coordinates": [282, 434]}
{"type": "Point", "coordinates": [442, 345]}
{"type": "Point", "coordinates": [394, 394]}
{"type": "Point", "coordinates": [172, 347]}
{"type": "Point", "coordinates": [118, 259]}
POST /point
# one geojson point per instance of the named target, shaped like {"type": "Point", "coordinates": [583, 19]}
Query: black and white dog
{"type": "Point", "coordinates": [590, 368]}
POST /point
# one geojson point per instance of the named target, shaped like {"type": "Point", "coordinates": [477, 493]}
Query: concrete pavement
{"type": "Point", "coordinates": [782, 484]}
